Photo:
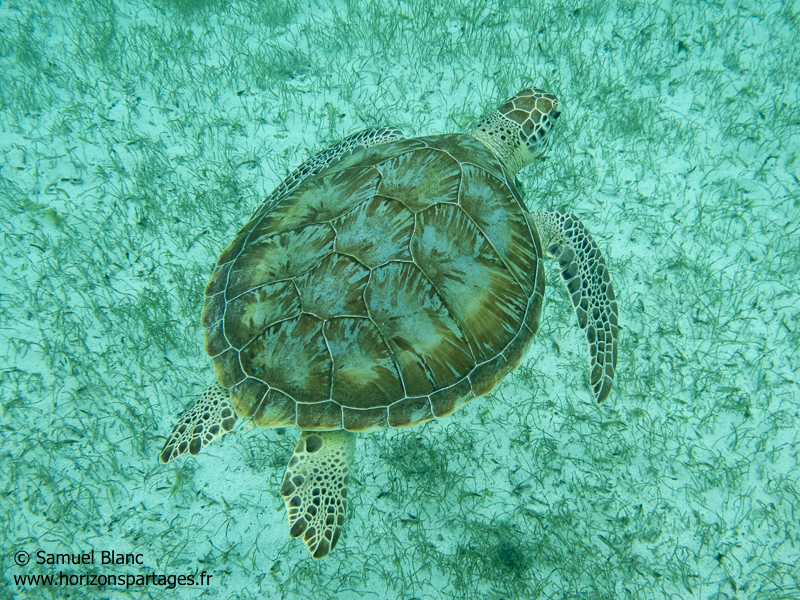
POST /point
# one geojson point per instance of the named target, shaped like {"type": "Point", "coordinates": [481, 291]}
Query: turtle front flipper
{"type": "Point", "coordinates": [584, 272]}
{"type": "Point", "coordinates": [210, 417]}
{"type": "Point", "coordinates": [315, 488]}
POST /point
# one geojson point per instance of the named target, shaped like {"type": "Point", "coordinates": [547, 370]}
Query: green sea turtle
{"type": "Point", "coordinates": [385, 282]}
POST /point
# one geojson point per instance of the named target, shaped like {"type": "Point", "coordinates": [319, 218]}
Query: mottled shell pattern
{"type": "Point", "coordinates": [390, 288]}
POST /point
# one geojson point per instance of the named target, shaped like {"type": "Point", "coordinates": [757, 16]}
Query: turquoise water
{"type": "Point", "coordinates": [138, 137]}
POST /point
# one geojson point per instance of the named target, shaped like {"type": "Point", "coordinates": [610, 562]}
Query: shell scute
{"type": "Point", "coordinates": [467, 151]}
{"type": "Point", "coordinates": [364, 420]}
{"type": "Point", "coordinates": [275, 410]}
{"type": "Point", "coordinates": [320, 416]}
{"type": "Point", "coordinates": [218, 281]}
{"type": "Point", "coordinates": [334, 288]}
{"type": "Point", "coordinates": [410, 411]}
{"type": "Point", "coordinates": [322, 198]}
{"type": "Point", "coordinates": [215, 341]}
{"type": "Point", "coordinates": [499, 215]}
{"type": "Point", "coordinates": [364, 373]}
{"type": "Point", "coordinates": [468, 274]}
{"type": "Point", "coordinates": [375, 155]}
{"type": "Point", "coordinates": [248, 315]}
{"type": "Point", "coordinates": [293, 357]}
{"type": "Point", "coordinates": [375, 232]}
{"type": "Point", "coordinates": [423, 337]}
{"type": "Point", "coordinates": [451, 399]}
{"type": "Point", "coordinates": [421, 178]}
{"type": "Point", "coordinates": [228, 368]}
{"type": "Point", "coordinates": [279, 257]}
{"type": "Point", "coordinates": [248, 396]}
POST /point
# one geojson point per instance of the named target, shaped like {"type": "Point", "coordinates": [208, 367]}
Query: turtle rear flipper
{"type": "Point", "coordinates": [583, 270]}
{"type": "Point", "coordinates": [315, 488]}
{"type": "Point", "coordinates": [210, 417]}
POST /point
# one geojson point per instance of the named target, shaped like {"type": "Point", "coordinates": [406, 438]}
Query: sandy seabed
{"type": "Point", "coordinates": [137, 138]}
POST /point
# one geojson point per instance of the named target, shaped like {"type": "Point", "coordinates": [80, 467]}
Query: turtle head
{"type": "Point", "coordinates": [517, 131]}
